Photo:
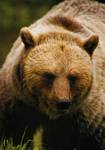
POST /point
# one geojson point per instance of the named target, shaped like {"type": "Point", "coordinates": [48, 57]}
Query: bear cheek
{"type": "Point", "coordinates": [82, 87]}
{"type": "Point", "coordinates": [42, 90]}
{"type": "Point", "coordinates": [34, 85]}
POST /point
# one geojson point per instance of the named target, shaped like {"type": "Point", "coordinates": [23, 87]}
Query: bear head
{"type": "Point", "coordinates": [56, 68]}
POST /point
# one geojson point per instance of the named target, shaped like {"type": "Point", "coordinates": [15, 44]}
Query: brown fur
{"type": "Point", "coordinates": [58, 60]}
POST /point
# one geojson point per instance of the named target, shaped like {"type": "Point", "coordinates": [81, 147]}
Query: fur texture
{"type": "Point", "coordinates": [52, 84]}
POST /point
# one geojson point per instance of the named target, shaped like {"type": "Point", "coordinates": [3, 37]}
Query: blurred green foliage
{"type": "Point", "coordinates": [9, 145]}
{"type": "Point", "coordinates": [17, 13]}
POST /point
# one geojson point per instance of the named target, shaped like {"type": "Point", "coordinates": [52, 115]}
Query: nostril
{"type": "Point", "coordinates": [63, 105]}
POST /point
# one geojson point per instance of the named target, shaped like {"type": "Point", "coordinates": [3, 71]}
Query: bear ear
{"type": "Point", "coordinates": [91, 43]}
{"type": "Point", "coordinates": [27, 37]}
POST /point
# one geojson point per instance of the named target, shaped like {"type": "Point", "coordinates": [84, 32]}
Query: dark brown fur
{"type": "Point", "coordinates": [53, 63]}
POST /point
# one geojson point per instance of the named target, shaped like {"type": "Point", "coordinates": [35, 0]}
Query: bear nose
{"type": "Point", "coordinates": [63, 105]}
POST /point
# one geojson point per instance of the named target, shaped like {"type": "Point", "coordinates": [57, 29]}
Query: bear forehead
{"type": "Point", "coordinates": [57, 45]}
{"type": "Point", "coordinates": [52, 42]}
{"type": "Point", "coordinates": [56, 50]}
{"type": "Point", "coordinates": [53, 55]}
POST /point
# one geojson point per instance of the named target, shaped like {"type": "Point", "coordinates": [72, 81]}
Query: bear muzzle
{"type": "Point", "coordinates": [61, 88]}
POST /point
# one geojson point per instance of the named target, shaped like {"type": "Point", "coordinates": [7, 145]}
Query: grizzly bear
{"type": "Point", "coordinates": [52, 83]}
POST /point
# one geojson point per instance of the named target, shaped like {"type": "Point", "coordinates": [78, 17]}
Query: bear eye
{"type": "Point", "coordinates": [72, 79]}
{"type": "Point", "coordinates": [49, 76]}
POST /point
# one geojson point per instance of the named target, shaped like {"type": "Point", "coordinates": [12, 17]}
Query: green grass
{"type": "Point", "coordinates": [9, 145]}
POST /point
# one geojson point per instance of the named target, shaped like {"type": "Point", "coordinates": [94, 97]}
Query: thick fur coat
{"type": "Point", "coordinates": [52, 83]}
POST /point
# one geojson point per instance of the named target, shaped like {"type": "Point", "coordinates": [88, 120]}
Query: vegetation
{"type": "Point", "coordinates": [17, 13]}
{"type": "Point", "coordinates": [8, 145]}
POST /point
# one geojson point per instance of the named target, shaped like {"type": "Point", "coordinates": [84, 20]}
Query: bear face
{"type": "Point", "coordinates": [57, 70]}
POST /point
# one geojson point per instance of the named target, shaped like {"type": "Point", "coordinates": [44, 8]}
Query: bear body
{"type": "Point", "coordinates": [52, 84]}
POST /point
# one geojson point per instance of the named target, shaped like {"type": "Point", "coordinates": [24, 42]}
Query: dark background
{"type": "Point", "coordinates": [17, 13]}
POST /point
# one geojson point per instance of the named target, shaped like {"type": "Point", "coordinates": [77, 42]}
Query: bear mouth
{"type": "Point", "coordinates": [57, 109]}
